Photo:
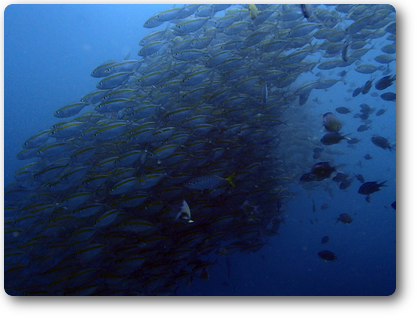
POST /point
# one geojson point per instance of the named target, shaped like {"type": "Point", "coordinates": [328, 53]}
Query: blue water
{"type": "Point", "coordinates": [50, 51]}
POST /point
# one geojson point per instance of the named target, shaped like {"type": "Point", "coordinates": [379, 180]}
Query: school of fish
{"type": "Point", "coordinates": [184, 152]}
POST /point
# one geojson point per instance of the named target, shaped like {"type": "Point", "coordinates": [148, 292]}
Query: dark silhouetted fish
{"type": "Point", "coordinates": [367, 157]}
{"type": "Point", "coordinates": [345, 218]}
{"type": "Point", "coordinates": [327, 255]}
{"type": "Point", "coordinates": [325, 239]}
{"type": "Point", "coordinates": [356, 92]}
{"type": "Point", "coordinates": [360, 178]}
{"type": "Point", "coordinates": [333, 138]}
{"type": "Point", "coordinates": [389, 96]}
{"type": "Point", "coordinates": [385, 82]}
{"type": "Point", "coordinates": [370, 187]}
{"type": "Point", "coordinates": [346, 183]}
{"type": "Point", "coordinates": [382, 143]}
{"type": "Point", "coordinates": [343, 110]}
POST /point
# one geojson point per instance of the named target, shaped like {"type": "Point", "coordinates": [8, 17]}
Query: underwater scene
{"type": "Point", "coordinates": [188, 150]}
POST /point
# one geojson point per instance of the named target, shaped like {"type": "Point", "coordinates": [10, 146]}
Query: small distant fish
{"type": "Point", "coordinates": [357, 91]}
{"type": "Point", "coordinates": [363, 127]}
{"type": "Point", "coordinates": [339, 177]}
{"type": "Point", "coordinates": [345, 218]}
{"type": "Point", "coordinates": [343, 110]}
{"type": "Point", "coordinates": [380, 112]}
{"type": "Point", "coordinates": [346, 183]}
{"type": "Point", "coordinates": [324, 206]}
{"type": "Point", "coordinates": [394, 205]}
{"type": "Point", "coordinates": [327, 255]}
{"type": "Point", "coordinates": [342, 73]}
{"type": "Point", "coordinates": [360, 178]}
{"type": "Point", "coordinates": [264, 92]}
{"type": "Point", "coordinates": [367, 157]}
{"type": "Point", "coordinates": [325, 239]}
{"type": "Point", "coordinates": [317, 152]}
{"type": "Point", "coordinates": [365, 108]}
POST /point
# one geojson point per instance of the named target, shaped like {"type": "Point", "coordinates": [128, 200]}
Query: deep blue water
{"type": "Point", "coordinates": [50, 51]}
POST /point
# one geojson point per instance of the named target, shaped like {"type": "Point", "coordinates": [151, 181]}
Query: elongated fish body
{"type": "Point", "coordinates": [207, 182]}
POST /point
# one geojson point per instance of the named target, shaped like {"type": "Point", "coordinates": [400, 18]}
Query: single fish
{"type": "Point", "coordinates": [184, 215]}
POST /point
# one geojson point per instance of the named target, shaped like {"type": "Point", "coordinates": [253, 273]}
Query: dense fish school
{"type": "Point", "coordinates": [182, 153]}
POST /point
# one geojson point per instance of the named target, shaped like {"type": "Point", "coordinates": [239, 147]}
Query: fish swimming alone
{"type": "Point", "coordinates": [369, 188]}
{"type": "Point", "coordinates": [184, 214]}
{"type": "Point", "coordinates": [208, 182]}
{"type": "Point", "coordinates": [327, 255]}
{"type": "Point", "coordinates": [345, 218]}
{"type": "Point", "coordinates": [382, 143]}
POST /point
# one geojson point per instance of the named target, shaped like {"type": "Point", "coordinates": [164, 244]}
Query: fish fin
{"type": "Point", "coordinates": [382, 184]}
{"type": "Point", "coordinates": [345, 136]}
{"type": "Point", "coordinates": [229, 179]}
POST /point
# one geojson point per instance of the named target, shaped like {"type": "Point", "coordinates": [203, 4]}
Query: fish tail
{"type": "Point", "coordinates": [382, 184]}
{"type": "Point", "coordinates": [229, 179]}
